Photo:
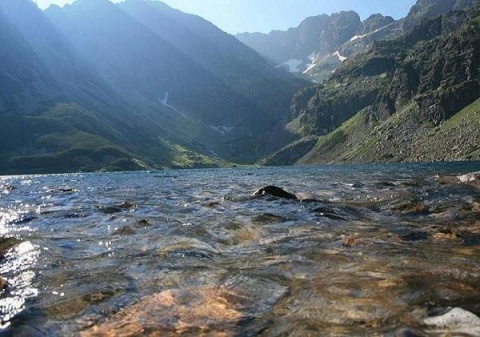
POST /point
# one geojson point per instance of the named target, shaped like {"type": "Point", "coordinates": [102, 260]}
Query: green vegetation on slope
{"type": "Point", "coordinates": [404, 137]}
{"type": "Point", "coordinates": [380, 105]}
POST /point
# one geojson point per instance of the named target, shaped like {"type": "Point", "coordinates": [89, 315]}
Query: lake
{"type": "Point", "coordinates": [372, 250]}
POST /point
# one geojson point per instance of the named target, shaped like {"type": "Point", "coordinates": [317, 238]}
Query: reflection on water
{"type": "Point", "coordinates": [16, 268]}
{"type": "Point", "coordinates": [372, 250]}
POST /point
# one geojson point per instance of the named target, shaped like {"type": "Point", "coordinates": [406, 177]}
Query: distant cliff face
{"type": "Point", "coordinates": [398, 99]}
{"type": "Point", "coordinates": [298, 46]}
{"type": "Point", "coordinates": [333, 39]}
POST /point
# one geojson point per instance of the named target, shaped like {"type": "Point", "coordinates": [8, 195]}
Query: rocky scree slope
{"type": "Point", "coordinates": [410, 99]}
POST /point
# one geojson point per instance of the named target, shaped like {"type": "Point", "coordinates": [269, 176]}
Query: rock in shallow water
{"type": "Point", "coordinates": [473, 177]}
{"type": "Point", "coordinates": [125, 230]}
{"type": "Point", "coordinates": [197, 311]}
{"type": "Point", "coordinates": [275, 192]}
{"type": "Point", "coordinates": [457, 318]}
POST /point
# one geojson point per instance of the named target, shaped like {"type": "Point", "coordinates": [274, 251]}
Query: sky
{"type": "Point", "coordinates": [237, 16]}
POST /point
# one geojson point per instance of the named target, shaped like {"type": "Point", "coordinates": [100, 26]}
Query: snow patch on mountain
{"type": "Point", "coordinates": [164, 102]}
{"type": "Point", "coordinates": [356, 37]}
{"type": "Point", "coordinates": [340, 57]}
{"type": "Point", "coordinates": [292, 65]}
{"type": "Point", "coordinates": [314, 58]}
{"type": "Point", "coordinates": [223, 130]}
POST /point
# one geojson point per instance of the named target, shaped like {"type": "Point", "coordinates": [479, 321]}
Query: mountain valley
{"type": "Point", "coordinates": [139, 85]}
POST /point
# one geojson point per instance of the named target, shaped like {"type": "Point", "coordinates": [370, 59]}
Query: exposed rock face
{"type": "Point", "coordinates": [333, 39]}
{"type": "Point", "coordinates": [373, 23]}
{"type": "Point", "coordinates": [342, 27]}
{"type": "Point", "coordinates": [316, 35]}
{"type": "Point", "coordinates": [427, 9]}
{"type": "Point", "coordinates": [395, 95]}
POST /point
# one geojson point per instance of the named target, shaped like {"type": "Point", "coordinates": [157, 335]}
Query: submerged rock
{"type": "Point", "coordinates": [470, 178]}
{"type": "Point", "coordinates": [414, 207]}
{"type": "Point", "coordinates": [269, 218]}
{"type": "Point", "coordinates": [456, 318]}
{"type": "Point", "coordinates": [275, 192]}
{"type": "Point", "coordinates": [415, 236]}
{"type": "Point", "coordinates": [6, 244]}
{"type": "Point", "coordinates": [117, 208]}
{"type": "Point", "coordinates": [213, 311]}
{"type": "Point", "coordinates": [125, 230]}
{"type": "Point", "coordinates": [3, 283]}
{"type": "Point", "coordinates": [143, 223]}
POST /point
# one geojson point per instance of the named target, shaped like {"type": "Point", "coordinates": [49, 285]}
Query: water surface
{"type": "Point", "coordinates": [375, 250]}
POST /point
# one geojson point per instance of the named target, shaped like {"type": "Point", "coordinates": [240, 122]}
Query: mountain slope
{"type": "Point", "coordinates": [236, 66]}
{"type": "Point", "coordinates": [89, 87]}
{"type": "Point", "coordinates": [176, 60]}
{"type": "Point", "coordinates": [57, 115]}
{"type": "Point", "coordinates": [398, 99]}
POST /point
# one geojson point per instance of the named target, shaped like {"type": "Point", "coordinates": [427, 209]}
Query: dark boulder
{"type": "Point", "coordinates": [276, 192]}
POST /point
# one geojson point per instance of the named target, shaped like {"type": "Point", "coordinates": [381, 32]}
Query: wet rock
{"type": "Point", "coordinates": [469, 238]}
{"type": "Point", "coordinates": [66, 190]}
{"type": "Point", "coordinates": [245, 234]}
{"type": "Point", "coordinates": [415, 207]}
{"type": "Point", "coordinates": [349, 242]}
{"type": "Point", "coordinates": [470, 178]}
{"type": "Point", "coordinates": [142, 224]}
{"type": "Point", "coordinates": [71, 307]}
{"type": "Point", "coordinates": [269, 218]}
{"type": "Point", "coordinates": [188, 248]}
{"type": "Point", "coordinates": [408, 332]}
{"type": "Point", "coordinates": [415, 236]}
{"type": "Point", "coordinates": [6, 244]}
{"type": "Point", "coordinates": [383, 184]}
{"type": "Point", "coordinates": [329, 213]}
{"type": "Point", "coordinates": [3, 284]}
{"type": "Point", "coordinates": [125, 230]}
{"type": "Point", "coordinates": [310, 201]}
{"type": "Point", "coordinates": [332, 216]}
{"type": "Point", "coordinates": [118, 208]}
{"type": "Point", "coordinates": [212, 204]}
{"type": "Point", "coordinates": [456, 317]}
{"type": "Point", "coordinates": [275, 192]}
{"type": "Point", "coordinates": [26, 219]}
{"type": "Point", "coordinates": [445, 234]}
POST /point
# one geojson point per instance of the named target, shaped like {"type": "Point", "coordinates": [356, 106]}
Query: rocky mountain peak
{"type": "Point", "coordinates": [373, 23]}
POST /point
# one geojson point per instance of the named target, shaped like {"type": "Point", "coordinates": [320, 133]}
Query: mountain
{"type": "Point", "coordinates": [165, 57]}
{"type": "Point", "coordinates": [332, 40]}
{"type": "Point", "coordinates": [297, 47]}
{"type": "Point", "coordinates": [414, 98]}
{"type": "Point", "coordinates": [237, 67]}
{"type": "Point", "coordinates": [89, 87]}
{"type": "Point", "coordinates": [42, 86]}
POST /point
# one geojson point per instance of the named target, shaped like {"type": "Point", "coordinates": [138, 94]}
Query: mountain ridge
{"type": "Point", "coordinates": [323, 54]}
